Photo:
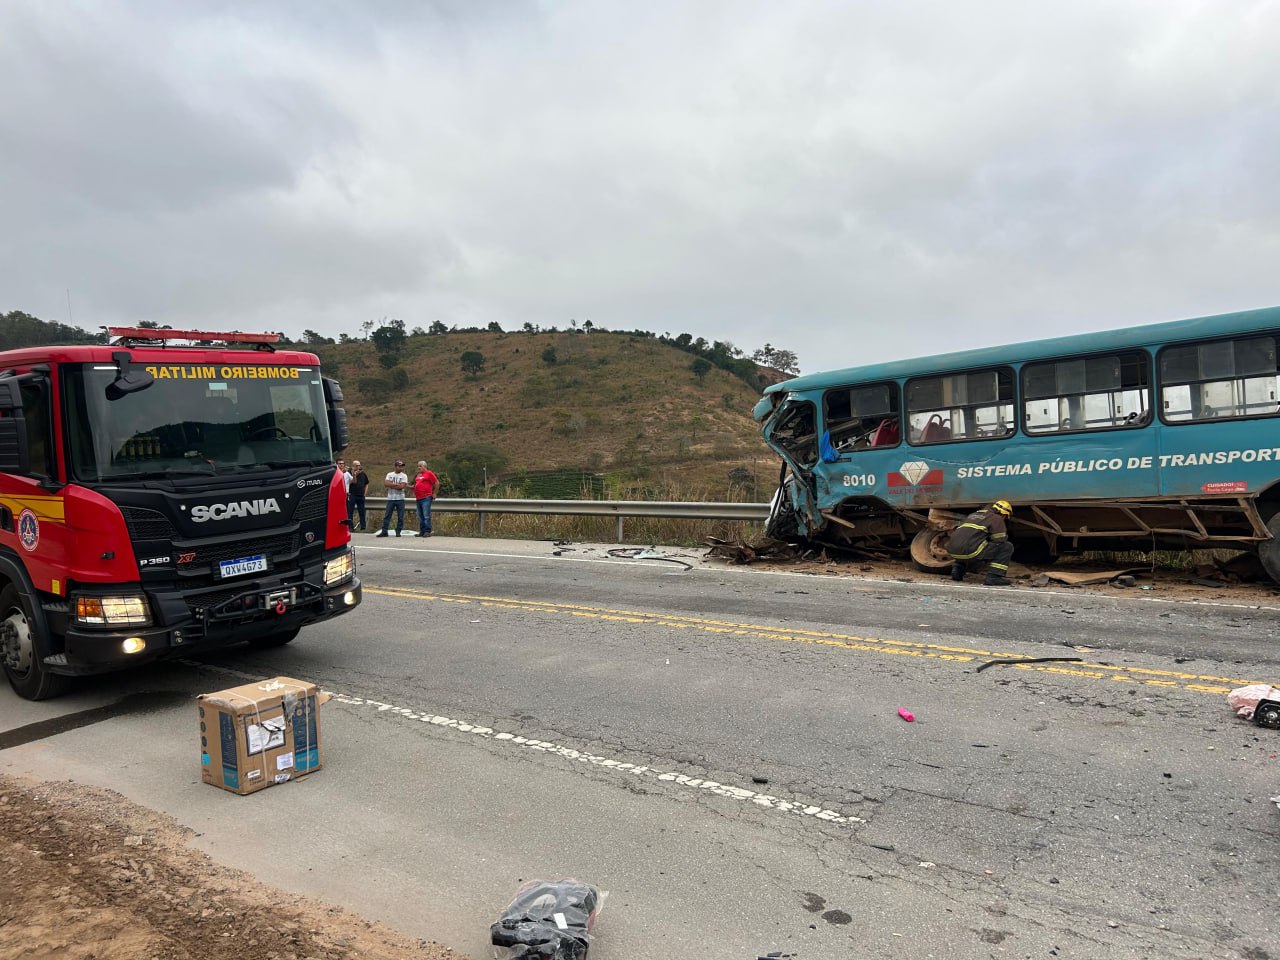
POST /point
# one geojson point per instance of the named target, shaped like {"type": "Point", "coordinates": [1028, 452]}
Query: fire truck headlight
{"type": "Point", "coordinates": [338, 569]}
{"type": "Point", "coordinates": [112, 610]}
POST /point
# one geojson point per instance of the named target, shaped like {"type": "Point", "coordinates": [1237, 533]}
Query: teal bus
{"type": "Point", "coordinates": [1162, 436]}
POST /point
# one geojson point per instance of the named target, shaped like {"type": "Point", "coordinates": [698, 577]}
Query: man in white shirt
{"type": "Point", "coordinates": [395, 483]}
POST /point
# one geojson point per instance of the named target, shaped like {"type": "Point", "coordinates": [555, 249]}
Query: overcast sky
{"type": "Point", "coordinates": [851, 181]}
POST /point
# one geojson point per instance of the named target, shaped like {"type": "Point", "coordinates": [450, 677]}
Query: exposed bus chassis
{"type": "Point", "coordinates": [1042, 530]}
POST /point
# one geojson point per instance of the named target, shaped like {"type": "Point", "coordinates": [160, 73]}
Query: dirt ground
{"type": "Point", "coordinates": [87, 875]}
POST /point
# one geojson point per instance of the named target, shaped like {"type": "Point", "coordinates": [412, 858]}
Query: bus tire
{"type": "Point", "coordinates": [21, 649]}
{"type": "Point", "coordinates": [271, 640]}
{"type": "Point", "coordinates": [929, 550]}
{"type": "Point", "coordinates": [1269, 550]}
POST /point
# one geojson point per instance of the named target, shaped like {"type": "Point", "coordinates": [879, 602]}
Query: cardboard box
{"type": "Point", "coordinates": [259, 734]}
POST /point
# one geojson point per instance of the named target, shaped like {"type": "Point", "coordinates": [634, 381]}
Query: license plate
{"type": "Point", "coordinates": [238, 568]}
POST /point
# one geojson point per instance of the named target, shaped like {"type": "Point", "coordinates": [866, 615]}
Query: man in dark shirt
{"type": "Point", "coordinates": [983, 536]}
{"type": "Point", "coordinates": [355, 494]}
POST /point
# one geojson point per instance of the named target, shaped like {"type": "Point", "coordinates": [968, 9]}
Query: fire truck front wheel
{"type": "Point", "coordinates": [21, 650]}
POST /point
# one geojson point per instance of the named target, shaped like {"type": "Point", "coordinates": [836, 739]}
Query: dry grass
{"type": "Point", "coordinates": [628, 407]}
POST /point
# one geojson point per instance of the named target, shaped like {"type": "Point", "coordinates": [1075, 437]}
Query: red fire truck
{"type": "Point", "coordinates": [168, 492]}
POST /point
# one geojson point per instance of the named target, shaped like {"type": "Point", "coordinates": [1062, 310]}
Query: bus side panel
{"type": "Point", "coordinates": [1219, 457]}
{"type": "Point", "coordinates": [1110, 465]}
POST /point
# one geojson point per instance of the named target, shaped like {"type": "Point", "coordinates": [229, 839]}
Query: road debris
{"type": "Point", "coordinates": [548, 920]}
{"type": "Point", "coordinates": [1016, 660]}
{"type": "Point", "coordinates": [259, 734]}
{"type": "Point", "coordinates": [906, 715]}
{"type": "Point", "coordinates": [646, 553]}
{"type": "Point", "coordinates": [1087, 577]}
{"type": "Point", "coordinates": [1245, 700]}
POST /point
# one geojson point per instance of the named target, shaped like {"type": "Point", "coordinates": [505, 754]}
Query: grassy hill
{"type": "Point", "coordinates": [621, 405]}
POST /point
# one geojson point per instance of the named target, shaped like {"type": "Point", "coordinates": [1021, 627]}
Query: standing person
{"type": "Point", "coordinates": [346, 484]}
{"type": "Point", "coordinates": [424, 489]}
{"type": "Point", "coordinates": [355, 494]}
{"type": "Point", "coordinates": [983, 536]}
{"type": "Point", "coordinates": [395, 483]}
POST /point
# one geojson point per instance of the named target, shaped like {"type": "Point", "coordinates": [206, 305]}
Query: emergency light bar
{"type": "Point", "coordinates": [151, 333]}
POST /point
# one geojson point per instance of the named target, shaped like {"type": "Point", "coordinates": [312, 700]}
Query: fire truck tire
{"type": "Point", "coordinates": [20, 648]}
{"type": "Point", "coordinates": [929, 550]}
{"type": "Point", "coordinates": [278, 639]}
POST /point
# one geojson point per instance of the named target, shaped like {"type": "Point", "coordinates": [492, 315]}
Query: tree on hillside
{"type": "Point", "coordinates": [549, 356]}
{"type": "Point", "coordinates": [389, 337]}
{"type": "Point", "coordinates": [587, 326]}
{"type": "Point", "coordinates": [310, 337]}
{"type": "Point", "coordinates": [472, 363]}
{"type": "Point", "coordinates": [784, 361]}
{"type": "Point", "coordinates": [700, 367]}
{"type": "Point", "coordinates": [437, 326]}
{"type": "Point", "coordinates": [495, 327]}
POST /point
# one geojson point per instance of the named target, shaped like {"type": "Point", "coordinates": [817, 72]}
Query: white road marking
{"type": "Point", "coordinates": [608, 763]}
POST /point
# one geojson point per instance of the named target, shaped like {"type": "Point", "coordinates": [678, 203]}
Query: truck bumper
{"type": "Point", "coordinates": [249, 615]}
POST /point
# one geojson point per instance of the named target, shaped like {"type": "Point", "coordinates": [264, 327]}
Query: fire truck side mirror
{"type": "Point", "coordinates": [130, 379]}
{"type": "Point", "coordinates": [15, 455]}
{"type": "Point", "coordinates": [337, 416]}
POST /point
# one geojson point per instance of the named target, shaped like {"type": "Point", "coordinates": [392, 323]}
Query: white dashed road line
{"type": "Point", "coordinates": [740, 794]}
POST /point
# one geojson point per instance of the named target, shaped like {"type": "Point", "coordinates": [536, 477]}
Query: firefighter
{"type": "Point", "coordinates": [983, 536]}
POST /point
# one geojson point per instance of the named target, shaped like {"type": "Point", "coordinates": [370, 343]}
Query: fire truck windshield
{"type": "Point", "coordinates": [194, 419]}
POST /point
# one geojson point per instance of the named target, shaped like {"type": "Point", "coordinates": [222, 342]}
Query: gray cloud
{"type": "Point", "coordinates": [854, 183]}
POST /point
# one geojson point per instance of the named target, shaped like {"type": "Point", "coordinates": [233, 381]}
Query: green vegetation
{"type": "Point", "coordinates": [18, 329]}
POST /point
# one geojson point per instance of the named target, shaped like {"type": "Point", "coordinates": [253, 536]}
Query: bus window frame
{"type": "Point", "coordinates": [1137, 425]}
{"type": "Point", "coordinates": [1011, 370]}
{"type": "Point", "coordinates": [1160, 384]}
{"type": "Point", "coordinates": [897, 394]}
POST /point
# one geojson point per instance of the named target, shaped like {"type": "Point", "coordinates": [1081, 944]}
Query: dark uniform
{"type": "Point", "coordinates": [982, 537]}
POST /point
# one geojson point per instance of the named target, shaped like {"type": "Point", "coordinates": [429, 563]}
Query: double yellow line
{"type": "Point", "coordinates": [1145, 676]}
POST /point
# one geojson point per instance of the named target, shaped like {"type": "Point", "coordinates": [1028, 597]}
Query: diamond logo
{"type": "Point", "coordinates": [914, 471]}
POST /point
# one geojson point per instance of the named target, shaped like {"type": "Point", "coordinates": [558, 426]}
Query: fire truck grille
{"type": "Point", "coordinates": [313, 506]}
{"type": "Point", "coordinates": [147, 524]}
{"type": "Point", "coordinates": [271, 547]}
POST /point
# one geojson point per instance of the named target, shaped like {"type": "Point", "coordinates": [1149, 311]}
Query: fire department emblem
{"type": "Point", "coordinates": [28, 529]}
{"type": "Point", "coordinates": [915, 473]}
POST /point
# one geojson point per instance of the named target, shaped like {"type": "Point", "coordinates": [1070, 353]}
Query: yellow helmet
{"type": "Point", "coordinates": [1002, 507]}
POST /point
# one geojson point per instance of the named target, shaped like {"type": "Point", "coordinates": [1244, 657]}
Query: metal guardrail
{"type": "Point", "coordinates": [619, 509]}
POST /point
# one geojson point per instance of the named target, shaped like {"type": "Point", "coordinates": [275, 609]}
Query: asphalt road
{"type": "Point", "coordinates": [721, 750]}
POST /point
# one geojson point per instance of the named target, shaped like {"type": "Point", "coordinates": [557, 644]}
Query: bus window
{"type": "Point", "coordinates": [1219, 379]}
{"type": "Point", "coordinates": [1087, 393]}
{"type": "Point", "coordinates": [794, 431]}
{"type": "Point", "coordinates": [862, 417]}
{"type": "Point", "coordinates": [960, 406]}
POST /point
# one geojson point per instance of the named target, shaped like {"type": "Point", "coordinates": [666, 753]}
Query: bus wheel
{"type": "Point", "coordinates": [20, 650]}
{"type": "Point", "coordinates": [1269, 550]}
{"type": "Point", "coordinates": [278, 639]}
{"type": "Point", "coordinates": [929, 550]}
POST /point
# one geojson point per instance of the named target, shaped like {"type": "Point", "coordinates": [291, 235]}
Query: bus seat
{"type": "Point", "coordinates": [886, 434]}
{"type": "Point", "coordinates": [935, 431]}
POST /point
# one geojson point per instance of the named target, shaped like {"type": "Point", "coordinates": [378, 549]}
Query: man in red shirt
{"type": "Point", "coordinates": [424, 489]}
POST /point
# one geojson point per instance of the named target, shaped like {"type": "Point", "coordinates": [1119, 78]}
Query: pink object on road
{"type": "Point", "coordinates": [906, 715]}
